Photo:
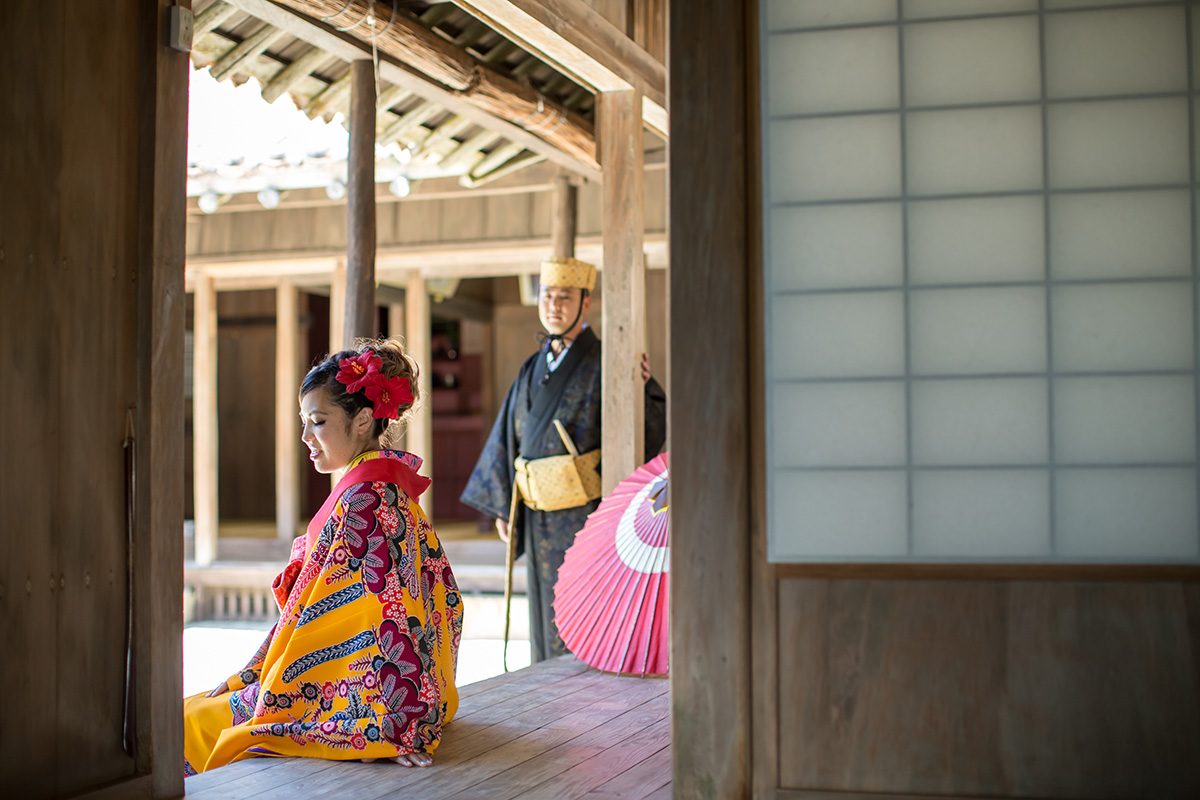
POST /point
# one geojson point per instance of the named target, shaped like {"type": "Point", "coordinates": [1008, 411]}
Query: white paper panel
{"type": "Point", "coordinates": [841, 70]}
{"type": "Point", "coordinates": [837, 247]}
{"type": "Point", "coordinates": [1123, 327]}
{"type": "Point", "coordinates": [851, 335]}
{"type": "Point", "coordinates": [976, 331]}
{"type": "Point", "coordinates": [1056, 4]}
{"type": "Point", "coordinates": [1120, 235]}
{"type": "Point", "coordinates": [976, 150]}
{"type": "Point", "coordinates": [842, 157]}
{"type": "Point", "coordinates": [839, 424]}
{"type": "Point", "coordinates": [977, 240]}
{"type": "Point", "coordinates": [1118, 143]}
{"type": "Point", "coordinates": [980, 422]}
{"type": "Point", "coordinates": [918, 9]}
{"type": "Point", "coordinates": [1124, 420]}
{"type": "Point", "coordinates": [975, 61]}
{"type": "Point", "coordinates": [981, 514]}
{"type": "Point", "coordinates": [838, 515]}
{"type": "Point", "coordinates": [784, 14]}
{"type": "Point", "coordinates": [1116, 52]}
{"type": "Point", "coordinates": [1143, 514]}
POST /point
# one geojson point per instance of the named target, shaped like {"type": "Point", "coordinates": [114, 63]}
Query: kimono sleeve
{"type": "Point", "coordinates": [656, 418]}
{"type": "Point", "coordinates": [489, 488]}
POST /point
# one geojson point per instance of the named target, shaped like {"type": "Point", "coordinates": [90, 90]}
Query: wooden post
{"type": "Point", "coordinates": [563, 222]}
{"type": "Point", "coordinates": [419, 437]}
{"type": "Point", "coordinates": [360, 207]}
{"type": "Point", "coordinates": [287, 437]}
{"type": "Point", "coordinates": [204, 420]}
{"type": "Point", "coordinates": [623, 279]}
{"type": "Point", "coordinates": [337, 307]}
{"type": "Point", "coordinates": [710, 225]}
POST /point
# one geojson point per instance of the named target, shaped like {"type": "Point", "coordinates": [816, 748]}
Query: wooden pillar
{"type": "Point", "coordinates": [623, 280]}
{"type": "Point", "coordinates": [395, 312]}
{"type": "Point", "coordinates": [337, 307]}
{"type": "Point", "coordinates": [287, 383]}
{"type": "Point", "coordinates": [563, 222]}
{"type": "Point", "coordinates": [419, 437]}
{"type": "Point", "coordinates": [204, 420]}
{"type": "Point", "coordinates": [711, 217]}
{"type": "Point", "coordinates": [360, 207]}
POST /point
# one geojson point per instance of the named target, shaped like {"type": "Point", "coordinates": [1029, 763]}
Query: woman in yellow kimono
{"type": "Point", "coordinates": [361, 663]}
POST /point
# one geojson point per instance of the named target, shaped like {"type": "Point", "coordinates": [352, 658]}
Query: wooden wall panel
{"type": "Point", "coordinates": [509, 216]}
{"type": "Point", "coordinates": [88, 323]}
{"type": "Point", "coordinates": [462, 220]}
{"type": "Point", "coordinates": [246, 404]}
{"type": "Point", "coordinates": [1005, 689]}
{"type": "Point", "coordinates": [31, 135]}
{"type": "Point", "coordinates": [96, 349]}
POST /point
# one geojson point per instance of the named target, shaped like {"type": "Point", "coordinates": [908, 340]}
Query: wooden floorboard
{"type": "Point", "coordinates": [556, 730]}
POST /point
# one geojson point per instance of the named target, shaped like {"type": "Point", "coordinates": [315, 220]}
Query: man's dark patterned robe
{"type": "Point", "coordinates": [544, 536]}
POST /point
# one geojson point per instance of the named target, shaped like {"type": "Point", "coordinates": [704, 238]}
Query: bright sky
{"type": "Point", "coordinates": [228, 123]}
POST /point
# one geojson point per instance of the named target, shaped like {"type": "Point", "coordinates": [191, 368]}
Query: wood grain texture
{"type": "Point", "coordinates": [360, 316]}
{"type": "Point", "coordinates": [555, 730]}
{"type": "Point", "coordinates": [158, 555]}
{"type": "Point", "coordinates": [31, 125]}
{"type": "Point", "coordinates": [1006, 689]}
{"type": "Point", "coordinates": [566, 200]}
{"type": "Point", "coordinates": [623, 284]}
{"type": "Point", "coordinates": [710, 552]}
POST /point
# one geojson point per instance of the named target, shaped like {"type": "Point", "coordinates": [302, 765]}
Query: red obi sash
{"type": "Point", "coordinates": [388, 470]}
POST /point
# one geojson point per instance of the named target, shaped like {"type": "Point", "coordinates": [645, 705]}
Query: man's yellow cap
{"type": "Point", "coordinates": [567, 272]}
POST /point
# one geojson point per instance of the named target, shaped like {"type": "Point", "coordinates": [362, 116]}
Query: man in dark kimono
{"type": "Point", "coordinates": [561, 381]}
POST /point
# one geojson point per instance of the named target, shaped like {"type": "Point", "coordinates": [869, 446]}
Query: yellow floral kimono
{"type": "Point", "coordinates": [361, 663]}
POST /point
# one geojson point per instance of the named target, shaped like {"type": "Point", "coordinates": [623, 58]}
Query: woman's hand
{"type": "Point", "coordinates": [502, 530]}
{"type": "Point", "coordinates": [408, 760]}
{"type": "Point", "coordinates": [220, 690]}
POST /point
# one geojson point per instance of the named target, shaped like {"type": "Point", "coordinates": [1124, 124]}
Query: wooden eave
{"type": "Point", "coordinates": [288, 51]}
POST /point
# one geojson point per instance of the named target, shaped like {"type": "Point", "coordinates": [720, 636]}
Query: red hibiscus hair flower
{"type": "Point", "coordinates": [356, 372]}
{"type": "Point", "coordinates": [388, 394]}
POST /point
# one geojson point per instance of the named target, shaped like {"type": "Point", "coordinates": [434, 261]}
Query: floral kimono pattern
{"type": "Point", "coordinates": [361, 663]}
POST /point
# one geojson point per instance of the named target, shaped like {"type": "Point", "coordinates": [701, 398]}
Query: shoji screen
{"type": "Point", "coordinates": [981, 297]}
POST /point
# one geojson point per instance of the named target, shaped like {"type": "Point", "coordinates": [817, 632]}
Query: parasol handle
{"type": "Point", "coordinates": [510, 556]}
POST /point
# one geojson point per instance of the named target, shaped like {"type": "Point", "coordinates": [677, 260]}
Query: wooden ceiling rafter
{"type": "Point", "coordinates": [338, 45]}
{"type": "Point", "coordinates": [574, 39]}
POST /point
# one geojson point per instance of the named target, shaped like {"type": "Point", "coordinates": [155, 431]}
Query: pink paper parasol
{"type": "Point", "coordinates": [610, 602]}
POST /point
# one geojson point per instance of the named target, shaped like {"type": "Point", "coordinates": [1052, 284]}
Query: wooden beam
{"type": "Point", "coordinates": [360, 319]}
{"type": "Point", "coordinates": [418, 438]}
{"type": "Point", "coordinates": [287, 383]}
{"type": "Point", "coordinates": [562, 224]}
{"type": "Point", "coordinates": [485, 259]}
{"type": "Point", "coordinates": [293, 73]}
{"type": "Point", "coordinates": [498, 103]}
{"type": "Point", "coordinates": [249, 48]}
{"type": "Point", "coordinates": [624, 285]}
{"type": "Point", "coordinates": [575, 39]}
{"type": "Point", "coordinates": [204, 421]}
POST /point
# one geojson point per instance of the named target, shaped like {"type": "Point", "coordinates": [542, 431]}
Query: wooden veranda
{"type": "Point", "coordinates": [556, 730]}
